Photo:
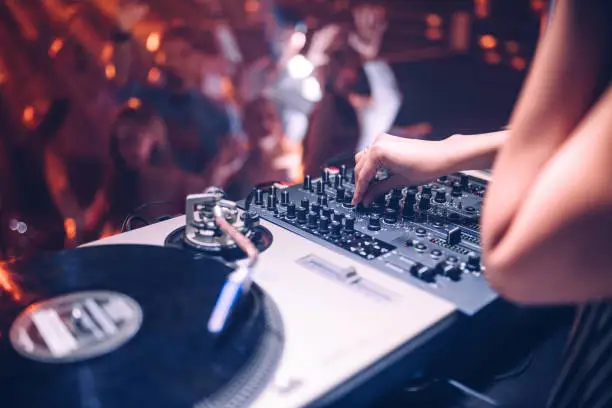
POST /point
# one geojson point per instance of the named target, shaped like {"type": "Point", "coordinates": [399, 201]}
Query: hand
{"type": "Point", "coordinates": [409, 161]}
{"type": "Point", "coordinates": [130, 13]}
{"type": "Point", "coordinates": [321, 42]}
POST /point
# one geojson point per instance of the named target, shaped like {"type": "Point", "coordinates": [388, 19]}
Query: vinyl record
{"type": "Point", "coordinates": [125, 326]}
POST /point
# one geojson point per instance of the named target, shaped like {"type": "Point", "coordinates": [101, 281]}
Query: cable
{"type": "Point", "coordinates": [140, 208]}
{"type": "Point", "coordinates": [128, 226]}
{"type": "Point", "coordinates": [466, 390]}
{"type": "Point", "coordinates": [516, 371]}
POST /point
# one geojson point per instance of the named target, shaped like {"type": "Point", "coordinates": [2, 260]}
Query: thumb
{"type": "Point", "coordinates": [380, 187]}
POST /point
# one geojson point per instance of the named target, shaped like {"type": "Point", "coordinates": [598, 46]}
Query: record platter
{"type": "Point", "coordinates": [126, 326]}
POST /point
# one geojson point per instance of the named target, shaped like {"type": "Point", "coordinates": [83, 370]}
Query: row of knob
{"type": "Point", "coordinates": [449, 269]}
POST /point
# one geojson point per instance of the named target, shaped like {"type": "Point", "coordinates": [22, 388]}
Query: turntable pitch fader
{"type": "Point", "coordinates": [358, 290]}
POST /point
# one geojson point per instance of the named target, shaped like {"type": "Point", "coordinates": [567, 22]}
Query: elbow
{"type": "Point", "coordinates": [510, 278]}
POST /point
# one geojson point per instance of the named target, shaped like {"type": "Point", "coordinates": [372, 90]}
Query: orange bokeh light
{"type": "Point", "coordinates": [110, 71]}
{"type": "Point", "coordinates": [492, 58]}
{"type": "Point", "coordinates": [518, 63]}
{"type": "Point", "coordinates": [433, 20]}
{"type": "Point", "coordinates": [488, 41]}
{"type": "Point", "coordinates": [153, 42]}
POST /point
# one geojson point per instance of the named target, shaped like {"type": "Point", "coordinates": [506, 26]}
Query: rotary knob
{"type": "Point", "coordinates": [316, 208]}
{"type": "Point", "coordinates": [349, 223]}
{"type": "Point", "coordinates": [449, 270]}
{"type": "Point", "coordinates": [285, 198]}
{"type": "Point", "coordinates": [374, 222]}
{"type": "Point", "coordinates": [423, 272]}
{"type": "Point", "coordinates": [325, 176]}
{"type": "Point", "coordinates": [376, 208]}
{"type": "Point", "coordinates": [340, 195]}
{"type": "Point", "coordinates": [313, 217]}
{"type": "Point", "coordinates": [259, 197]}
{"type": "Point", "coordinates": [408, 210]}
{"type": "Point", "coordinates": [305, 203]}
{"type": "Point", "coordinates": [343, 171]}
{"type": "Point", "coordinates": [337, 181]}
{"type": "Point", "coordinates": [424, 202]}
{"type": "Point", "coordinates": [324, 224]}
{"type": "Point", "coordinates": [322, 200]}
{"type": "Point", "coordinates": [348, 199]}
{"type": "Point", "coordinates": [440, 196]}
{"type": "Point", "coordinates": [301, 215]}
{"type": "Point", "coordinates": [390, 216]}
{"type": "Point", "coordinates": [426, 190]}
{"type": "Point", "coordinates": [464, 181]}
{"type": "Point", "coordinates": [320, 189]}
{"type": "Point", "coordinates": [291, 211]}
{"type": "Point", "coordinates": [274, 193]}
{"type": "Point", "coordinates": [326, 212]}
{"type": "Point", "coordinates": [271, 203]}
{"type": "Point", "coordinates": [307, 183]}
{"type": "Point", "coordinates": [457, 190]}
{"type": "Point", "coordinates": [473, 262]}
{"type": "Point", "coordinates": [336, 229]}
{"type": "Point", "coordinates": [338, 216]}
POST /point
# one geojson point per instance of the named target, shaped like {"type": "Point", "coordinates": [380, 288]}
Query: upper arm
{"type": "Point", "coordinates": [557, 247]}
{"type": "Point", "coordinates": [565, 79]}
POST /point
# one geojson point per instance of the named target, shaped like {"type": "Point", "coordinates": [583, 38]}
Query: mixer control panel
{"type": "Point", "coordinates": [425, 235]}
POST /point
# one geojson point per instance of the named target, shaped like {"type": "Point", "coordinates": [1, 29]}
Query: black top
{"type": "Point", "coordinates": [585, 380]}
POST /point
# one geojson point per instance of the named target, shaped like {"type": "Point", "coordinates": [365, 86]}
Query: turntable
{"type": "Point", "coordinates": [126, 326]}
{"type": "Point", "coordinates": [344, 321]}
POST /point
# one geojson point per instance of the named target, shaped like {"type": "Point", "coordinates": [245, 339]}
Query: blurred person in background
{"type": "Point", "coordinates": [200, 127]}
{"type": "Point", "coordinates": [379, 113]}
{"type": "Point", "coordinates": [141, 171]}
{"type": "Point", "coordinates": [334, 126]}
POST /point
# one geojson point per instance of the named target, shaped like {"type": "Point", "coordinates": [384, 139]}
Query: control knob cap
{"type": "Point", "coordinates": [316, 208]}
{"type": "Point", "coordinates": [457, 190]}
{"type": "Point", "coordinates": [473, 262]}
{"type": "Point", "coordinates": [449, 270]}
{"type": "Point", "coordinates": [324, 224]}
{"type": "Point", "coordinates": [440, 196]}
{"type": "Point", "coordinates": [312, 219]}
{"type": "Point", "coordinates": [305, 203]}
{"type": "Point", "coordinates": [376, 208]}
{"type": "Point", "coordinates": [337, 181]}
{"type": "Point", "coordinates": [285, 198]}
{"type": "Point", "coordinates": [338, 216]}
{"type": "Point", "coordinates": [271, 203]}
{"type": "Point", "coordinates": [348, 199]}
{"type": "Point", "coordinates": [374, 222]}
{"type": "Point", "coordinates": [349, 223]}
{"type": "Point", "coordinates": [320, 190]}
{"type": "Point", "coordinates": [424, 202]}
{"type": "Point", "coordinates": [259, 197]}
{"type": "Point", "coordinates": [326, 212]}
{"type": "Point", "coordinates": [336, 227]}
{"type": "Point", "coordinates": [340, 195]}
{"type": "Point", "coordinates": [408, 210]}
{"type": "Point", "coordinates": [390, 216]}
{"type": "Point", "coordinates": [301, 215]}
{"type": "Point", "coordinates": [343, 171]}
{"type": "Point", "coordinates": [464, 181]}
{"type": "Point", "coordinates": [291, 211]}
{"type": "Point", "coordinates": [307, 183]}
{"type": "Point", "coordinates": [426, 190]}
{"type": "Point", "coordinates": [410, 196]}
{"type": "Point", "coordinates": [322, 200]}
{"type": "Point", "coordinates": [423, 272]}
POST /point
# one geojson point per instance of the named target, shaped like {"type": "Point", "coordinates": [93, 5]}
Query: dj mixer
{"type": "Point", "coordinates": [427, 236]}
{"type": "Point", "coordinates": [290, 298]}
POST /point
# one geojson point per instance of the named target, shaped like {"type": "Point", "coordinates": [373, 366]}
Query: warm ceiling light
{"type": "Point", "coordinates": [153, 42]}
{"type": "Point", "coordinates": [110, 71]}
{"type": "Point", "coordinates": [154, 75]}
{"type": "Point", "coordinates": [512, 47]}
{"type": "Point", "coordinates": [134, 103]}
{"type": "Point", "coordinates": [433, 20]}
{"type": "Point", "coordinates": [488, 42]}
{"type": "Point", "coordinates": [55, 47]}
{"type": "Point", "coordinates": [492, 58]}
{"type": "Point", "coordinates": [433, 34]}
{"type": "Point", "coordinates": [518, 63]}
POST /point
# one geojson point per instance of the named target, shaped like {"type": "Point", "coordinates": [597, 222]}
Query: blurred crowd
{"type": "Point", "coordinates": [202, 113]}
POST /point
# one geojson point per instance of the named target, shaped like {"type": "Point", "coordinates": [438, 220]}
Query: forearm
{"type": "Point", "coordinates": [559, 90]}
{"type": "Point", "coordinates": [474, 152]}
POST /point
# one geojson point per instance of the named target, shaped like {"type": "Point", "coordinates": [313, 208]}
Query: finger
{"type": "Point", "coordinates": [380, 187]}
{"type": "Point", "coordinates": [360, 154]}
{"type": "Point", "coordinates": [363, 178]}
